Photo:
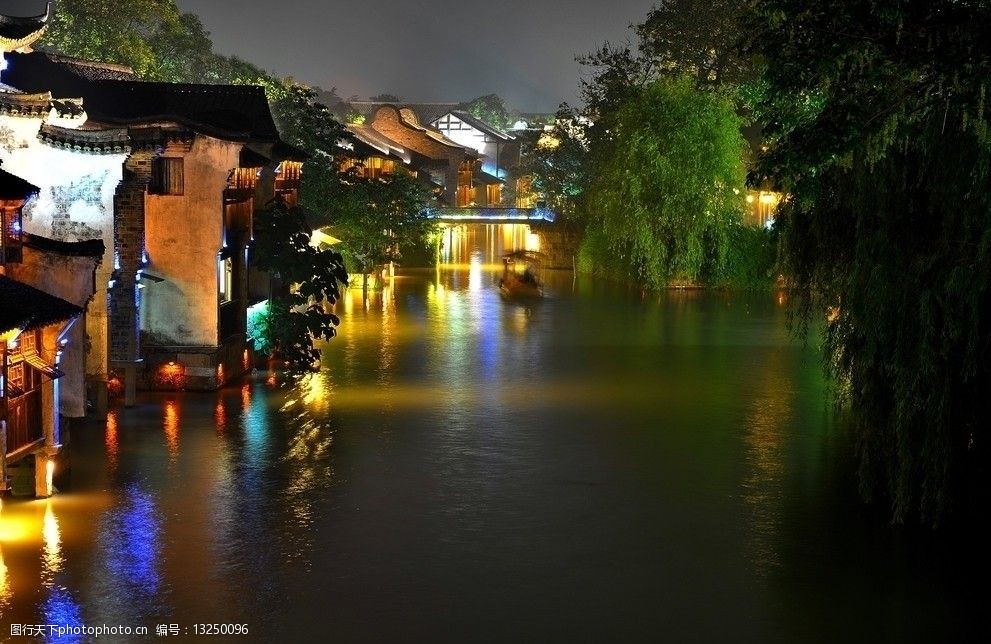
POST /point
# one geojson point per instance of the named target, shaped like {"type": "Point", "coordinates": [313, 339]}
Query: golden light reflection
{"type": "Point", "coordinates": [475, 273]}
{"type": "Point", "coordinates": [245, 396]}
{"type": "Point", "coordinates": [12, 529]}
{"type": "Point", "coordinates": [111, 439]}
{"type": "Point", "coordinates": [171, 425]}
{"type": "Point", "coordinates": [49, 476]}
{"type": "Point", "coordinates": [6, 592]}
{"type": "Point", "coordinates": [316, 394]}
{"type": "Point", "coordinates": [770, 415]}
{"type": "Point", "coordinates": [51, 555]}
{"type": "Point", "coordinates": [220, 416]}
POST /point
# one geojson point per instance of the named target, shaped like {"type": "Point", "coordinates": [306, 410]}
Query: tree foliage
{"type": "Point", "coordinates": [879, 122]}
{"type": "Point", "coordinates": [697, 38]}
{"type": "Point", "coordinates": [152, 36]}
{"type": "Point", "coordinates": [555, 162]}
{"type": "Point", "coordinates": [491, 109]}
{"type": "Point", "coordinates": [669, 193]}
{"type": "Point", "coordinates": [679, 40]}
{"type": "Point", "coordinates": [294, 321]}
{"type": "Point", "coordinates": [380, 219]}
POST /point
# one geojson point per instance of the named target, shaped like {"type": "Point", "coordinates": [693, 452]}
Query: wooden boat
{"type": "Point", "coordinates": [519, 277]}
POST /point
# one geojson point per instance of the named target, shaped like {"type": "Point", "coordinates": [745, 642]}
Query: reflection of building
{"type": "Point", "coordinates": [45, 286]}
{"type": "Point", "coordinates": [168, 176]}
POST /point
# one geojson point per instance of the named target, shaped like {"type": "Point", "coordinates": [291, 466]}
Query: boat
{"type": "Point", "coordinates": [519, 277]}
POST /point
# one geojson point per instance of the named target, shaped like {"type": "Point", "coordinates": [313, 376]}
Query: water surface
{"type": "Point", "coordinates": [602, 465]}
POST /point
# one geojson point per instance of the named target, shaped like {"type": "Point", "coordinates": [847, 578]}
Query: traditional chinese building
{"type": "Point", "coordinates": [168, 176]}
{"type": "Point", "coordinates": [395, 134]}
{"type": "Point", "coordinates": [45, 286]}
{"type": "Point", "coordinates": [499, 152]}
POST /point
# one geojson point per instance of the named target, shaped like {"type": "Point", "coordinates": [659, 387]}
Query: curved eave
{"type": "Point", "coordinates": [15, 43]}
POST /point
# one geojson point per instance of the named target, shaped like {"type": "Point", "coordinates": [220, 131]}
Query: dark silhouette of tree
{"type": "Point", "coordinates": [294, 321]}
{"type": "Point", "coordinates": [879, 131]}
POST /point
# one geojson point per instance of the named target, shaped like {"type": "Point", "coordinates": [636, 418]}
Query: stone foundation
{"type": "Point", "coordinates": [559, 244]}
{"type": "Point", "coordinates": [196, 368]}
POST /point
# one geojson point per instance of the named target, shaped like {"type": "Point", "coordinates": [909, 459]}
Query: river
{"type": "Point", "coordinates": [602, 465]}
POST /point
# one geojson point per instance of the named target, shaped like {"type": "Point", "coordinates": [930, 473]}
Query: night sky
{"type": "Point", "coordinates": [439, 50]}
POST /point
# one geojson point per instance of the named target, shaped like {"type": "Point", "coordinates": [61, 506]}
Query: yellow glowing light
{"type": "Point", "coordinates": [111, 440]}
{"type": "Point", "coordinates": [750, 198]}
{"type": "Point", "coordinates": [49, 476]}
{"type": "Point", "coordinates": [12, 528]}
{"type": "Point", "coordinates": [172, 375]}
{"type": "Point", "coordinates": [768, 198]}
{"type": "Point", "coordinates": [548, 142]}
{"type": "Point", "coordinates": [52, 540]}
{"type": "Point", "coordinates": [6, 593]}
{"type": "Point", "coordinates": [171, 425]}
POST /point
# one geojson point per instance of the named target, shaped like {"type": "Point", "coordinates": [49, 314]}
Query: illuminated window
{"type": "Point", "coordinates": [16, 376]}
{"type": "Point", "coordinates": [494, 194]}
{"type": "Point", "coordinates": [226, 279]}
{"type": "Point", "coordinates": [167, 176]}
{"type": "Point", "coordinates": [28, 342]}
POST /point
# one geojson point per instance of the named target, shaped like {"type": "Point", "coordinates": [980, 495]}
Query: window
{"type": "Point", "coordinates": [493, 194]}
{"type": "Point", "coordinates": [226, 278]}
{"type": "Point", "coordinates": [15, 375]}
{"type": "Point", "coordinates": [167, 176]}
{"type": "Point", "coordinates": [27, 341]}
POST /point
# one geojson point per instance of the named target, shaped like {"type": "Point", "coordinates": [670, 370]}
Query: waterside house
{"type": "Point", "coordinates": [168, 176]}
{"type": "Point", "coordinates": [499, 153]}
{"type": "Point", "coordinates": [394, 134]}
{"type": "Point", "coordinates": [45, 287]}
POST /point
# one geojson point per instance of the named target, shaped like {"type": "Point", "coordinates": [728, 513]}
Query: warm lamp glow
{"type": "Point", "coordinates": [49, 476]}
{"type": "Point", "coordinates": [172, 375]}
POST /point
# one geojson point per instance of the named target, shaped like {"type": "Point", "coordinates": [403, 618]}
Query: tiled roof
{"type": "Point", "coordinates": [112, 95]}
{"type": "Point", "coordinates": [480, 125]}
{"type": "Point", "coordinates": [225, 110]}
{"type": "Point", "coordinates": [14, 29]}
{"type": "Point", "coordinates": [376, 143]}
{"type": "Point", "coordinates": [25, 307]}
{"type": "Point", "coordinates": [487, 179]}
{"type": "Point", "coordinates": [90, 248]}
{"type": "Point", "coordinates": [13, 187]}
{"type": "Point", "coordinates": [426, 112]}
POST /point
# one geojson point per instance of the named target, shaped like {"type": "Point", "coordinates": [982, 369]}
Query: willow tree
{"type": "Point", "coordinates": [665, 199]}
{"type": "Point", "coordinates": [889, 226]}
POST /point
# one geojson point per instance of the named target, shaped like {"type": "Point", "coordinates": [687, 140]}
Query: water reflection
{"type": "Point", "coordinates": [605, 464]}
{"type": "Point", "coordinates": [768, 424]}
{"type": "Point", "coordinates": [129, 535]}
{"type": "Point", "coordinates": [170, 422]}
{"type": "Point", "coordinates": [6, 593]}
{"type": "Point", "coordinates": [61, 608]}
{"type": "Point", "coordinates": [52, 550]}
{"type": "Point", "coordinates": [112, 439]}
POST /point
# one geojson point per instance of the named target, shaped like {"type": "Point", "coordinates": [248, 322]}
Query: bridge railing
{"type": "Point", "coordinates": [492, 214]}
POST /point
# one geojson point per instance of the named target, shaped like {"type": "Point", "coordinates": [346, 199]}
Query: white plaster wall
{"type": "Point", "coordinates": [183, 236]}
{"type": "Point", "coordinates": [475, 139]}
{"type": "Point", "coordinates": [75, 204]}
